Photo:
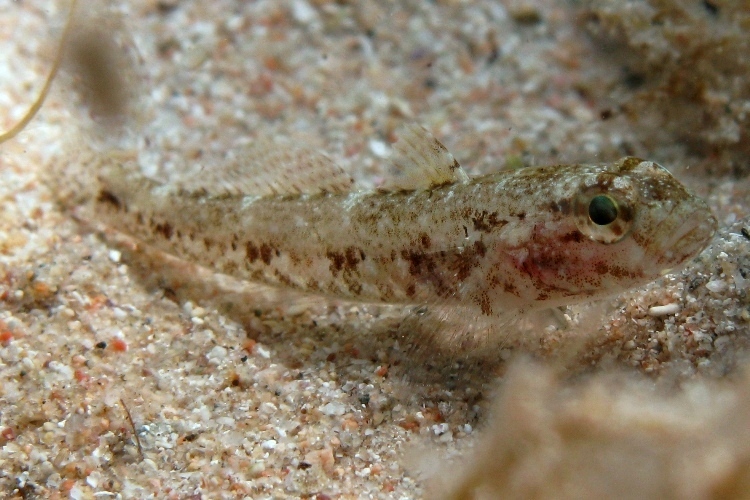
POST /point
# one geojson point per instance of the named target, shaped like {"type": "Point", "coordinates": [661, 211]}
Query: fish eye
{"type": "Point", "coordinates": [602, 210]}
{"type": "Point", "coordinates": [605, 211]}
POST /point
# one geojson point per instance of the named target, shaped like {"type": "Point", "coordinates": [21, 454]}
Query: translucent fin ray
{"type": "Point", "coordinates": [271, 168]}
{"type": "Point", "coordinates": [422, 162]}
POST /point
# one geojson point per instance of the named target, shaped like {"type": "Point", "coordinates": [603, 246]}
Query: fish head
{"type": "Point", "coordinates": [640, 221]}
{"type": "Point", "coordinates": [611, 228]}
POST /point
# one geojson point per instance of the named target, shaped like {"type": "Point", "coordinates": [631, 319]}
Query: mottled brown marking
{"type": "Point", "coordinates": [283, 278]}
{"type": "Point", "coordinates": [385, 291]}
{"type": "Point", "coordinates": [109, 198]}
{"type": "Point", "coordinates": [546, 259]}
{"type": "Point", "coordinates": [352, 257]}
{"type": "Point", "coordinates": [620, 272]}
{"type": "Point", "coordinates": [604, 181]}
{"type": "Point", "coordinates": [639, 239]}
{"type": "Point", "coordinates": [411, 290]}
{"type": "Point", "coordinates": [353, 284]}
{"type": "Point", "coordinates": [526, 267]}
{"type": "Point", "coordinates": [562, 206]}
{"type": "Point", "coordinates": [625, 213]}
{"type": "Point", "coordinates": [483, 301]}
{"type": "Point", "coordinates": [485, 221]}
{"type": "Point", "coordinates": [313, 285]}
{"type": "Point", "coordinates": [266, 253]}
{"type": "Point", "coordinates": [601, 268]}
{"type": "Point", "coordinates": [164, 229]}
{"type": "Point", "coordinates": [479, 248]}
{"type": "Point", "coordinates": [573, 236]}
{"type": "Point", "coordinates": [630, 163]}
{"type": "Point", "coordinates": [346, 263]}
{"type": "Point", "coordinates": [208, 243]}
{"type": "Point", "coordinates": [445, 271]}
{"type": "Point", "coordinates": [337, 261]}
{"type": "Point", "coordinates": [464, 265]}
{"type": "Point", "coordinates": [426, 268]}
{"type": "Point", "coordinates": [418, 262]}
{"type": "Point", "coordinates": [295, 258]}
{"type": "Point", "coordinates": [424, 240]}
{"type": "Point", "coordinates": [251, 251]}
{"type": "Point", "coordinates": [494, 280]}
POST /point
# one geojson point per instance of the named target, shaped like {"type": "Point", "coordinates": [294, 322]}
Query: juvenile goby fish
{"type": "Point", "coordinates": [494, 246]}
{"type": "Point", "coordinates": [498, 244]}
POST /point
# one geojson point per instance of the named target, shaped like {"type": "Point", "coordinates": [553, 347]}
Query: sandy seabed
{"type": "Point", "coordinates": [235, 392]}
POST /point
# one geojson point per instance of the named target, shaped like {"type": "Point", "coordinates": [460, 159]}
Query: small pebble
{"type": "Point", "coordinates": [716, 286]}
{"type": "Point", "coordinates": [303, 12]}
{"type": "Point", "coordinates": [332, 409]}
{"type": "Point", "coordinates": [269, 444]}
{"type": "Point", "coordinates": [378, 148]}
{"type": "Point", "coordinates": [665, 310]}
{"type": "Point", "coordinates": [262, 351]}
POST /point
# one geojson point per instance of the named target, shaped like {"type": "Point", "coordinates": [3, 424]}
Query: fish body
{"type": "Point", "coordinates": [502, 243]}
{"type": "Point", "coordinates": [499, 244]}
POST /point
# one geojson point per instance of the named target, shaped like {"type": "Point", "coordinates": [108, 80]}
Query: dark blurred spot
{"type": "Point", "coordinates": [526, 14]}
{"type": "Point", "coordinates": [167, 6]}
{"type": "Point", "coordinates": [97, 62]}
{"type": "Point", "coordinates": [633, 80]}
{"type": "Point", "coordinates": [109, 198]}
{"type": "Point", "coordinates": [711, 7]}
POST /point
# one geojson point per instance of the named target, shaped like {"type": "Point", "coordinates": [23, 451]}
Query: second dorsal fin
{"type": "Point", "coordinates": [271, 168]}
{"type": "Point", "coordinates": [422, 162]}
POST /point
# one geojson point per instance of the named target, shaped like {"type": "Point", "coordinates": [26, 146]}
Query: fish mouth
{"type": "Point", "coordinates": [688, 239]}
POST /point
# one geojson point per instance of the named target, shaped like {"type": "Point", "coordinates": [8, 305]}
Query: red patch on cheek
{"type": "Point", "coordinates": [541, 265]}
{"type": "Point", "coordinates": [549, 266]}
{"type": "Point", "coordinates": [557, 264]}
{"type": "Point", "coordinates": [601, 268]}
{"type": "Point", "coordinates": [548, 256]}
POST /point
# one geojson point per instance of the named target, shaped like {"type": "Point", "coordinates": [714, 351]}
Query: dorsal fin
{"type": "Point", "coordinates": [422, 162]}
{"type": "Point", "coordinates": [270, 168]}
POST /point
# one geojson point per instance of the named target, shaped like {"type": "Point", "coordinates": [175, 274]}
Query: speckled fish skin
{"type": "Point", "coordinates": [505, 242]}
